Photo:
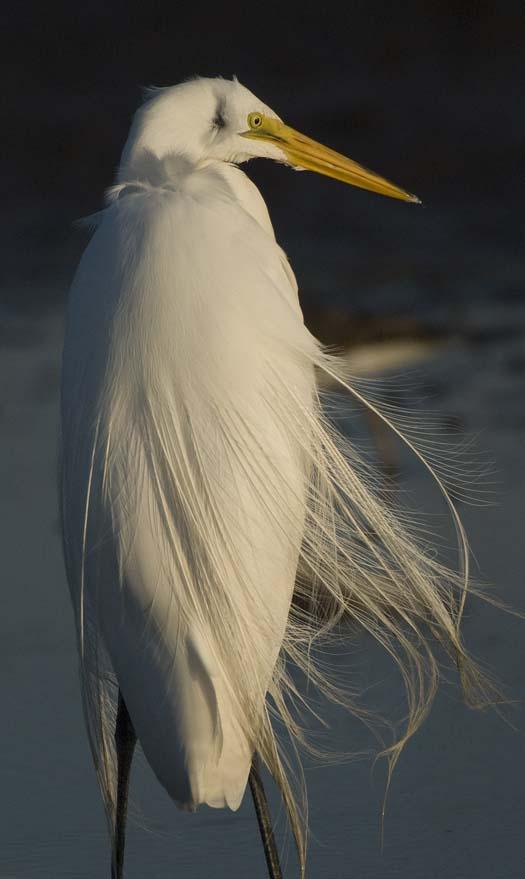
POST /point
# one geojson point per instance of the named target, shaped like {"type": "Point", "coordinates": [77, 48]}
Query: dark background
{"type": "Point", "coordinates": [428, 94]}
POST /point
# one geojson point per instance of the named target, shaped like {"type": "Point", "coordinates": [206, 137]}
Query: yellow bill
{"type": "Point", "coordinates": [303, 152]}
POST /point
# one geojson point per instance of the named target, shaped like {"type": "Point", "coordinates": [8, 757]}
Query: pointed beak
{"type": "Point", "coordinates": [303, 152]}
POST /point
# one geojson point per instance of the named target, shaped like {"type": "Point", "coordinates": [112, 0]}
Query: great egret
{"type": "Point", "coordinates": [201, 481]}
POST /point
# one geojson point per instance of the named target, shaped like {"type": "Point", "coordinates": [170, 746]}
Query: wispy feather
{"type": "Point", "coordinates": [203, 482]}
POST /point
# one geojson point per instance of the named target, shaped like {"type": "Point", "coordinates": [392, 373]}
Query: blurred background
{"type": "Point", "coordinates": [429, 95]}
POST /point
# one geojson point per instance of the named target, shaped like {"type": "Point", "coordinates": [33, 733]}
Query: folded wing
{"type": "Point", "coordinates": [187, 371]}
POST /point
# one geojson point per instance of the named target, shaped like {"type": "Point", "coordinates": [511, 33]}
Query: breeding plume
{"type": "Point", "coordinates": [202, 481]}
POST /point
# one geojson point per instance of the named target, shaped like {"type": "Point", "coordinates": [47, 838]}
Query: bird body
{"type": "Point", "coordinates": [201, 482]}
{"type": "Point", "coordinates": [218, 342]}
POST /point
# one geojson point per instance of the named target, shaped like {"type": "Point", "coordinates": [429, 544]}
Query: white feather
{"type": "Point", "coordinates": [201, 481]}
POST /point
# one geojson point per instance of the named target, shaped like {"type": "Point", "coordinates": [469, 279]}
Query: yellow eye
{"type": "Point", "coordinates": [255, 120]}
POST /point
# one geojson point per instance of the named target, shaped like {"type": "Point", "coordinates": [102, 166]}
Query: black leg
{"type": "Point", "coordinates": [263, 817]}
{"type": "Point", "coordinates": [125, 741]}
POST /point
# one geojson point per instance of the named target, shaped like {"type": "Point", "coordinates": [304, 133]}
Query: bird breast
{"type": "Point", "coordinates": [201, 386]}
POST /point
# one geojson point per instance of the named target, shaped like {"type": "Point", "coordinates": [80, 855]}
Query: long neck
{"type": "Point", "coordinates": [246, 194]}
{"type": "Point", "coordinates": [141, 166]}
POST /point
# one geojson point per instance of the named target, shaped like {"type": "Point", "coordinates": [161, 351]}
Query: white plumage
{"type": "Point", "coordinates": [194, 528]}
{"type": "Point", "coordinates": [199, 476]}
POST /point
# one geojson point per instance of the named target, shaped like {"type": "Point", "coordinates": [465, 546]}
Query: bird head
{"type": "Point", "coordinates": [205, 120]}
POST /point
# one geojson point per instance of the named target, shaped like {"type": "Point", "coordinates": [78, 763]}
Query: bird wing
{"type": "Point", "coordinates": [183, 487]}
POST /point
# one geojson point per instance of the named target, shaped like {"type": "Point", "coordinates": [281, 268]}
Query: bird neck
{"type": "Point", "coordinates": [246, 194]}
{"type": "Point", "coordinates": [139, 166]}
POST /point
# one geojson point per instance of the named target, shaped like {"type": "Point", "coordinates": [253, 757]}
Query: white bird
{"type": "Point", "coordinates": [200, 480]}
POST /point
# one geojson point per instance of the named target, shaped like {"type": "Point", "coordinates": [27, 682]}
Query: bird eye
{"type": "Point", "coordinates": [255, 120]}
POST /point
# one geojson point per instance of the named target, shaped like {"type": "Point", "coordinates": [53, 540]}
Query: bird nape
{"type": "Point", "coordinates": [202, 481]}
